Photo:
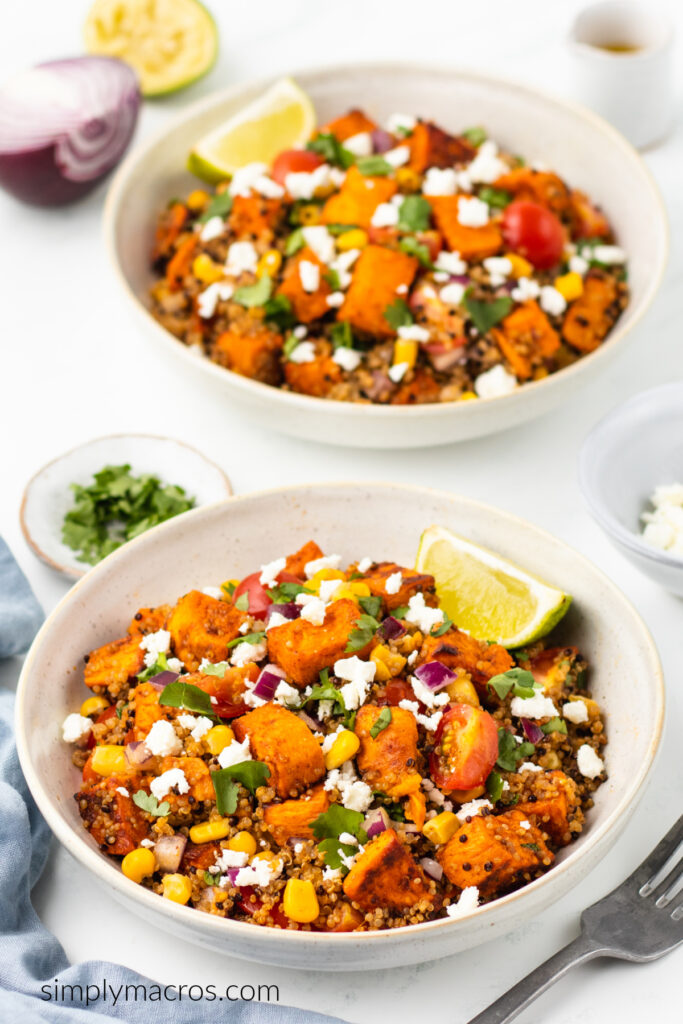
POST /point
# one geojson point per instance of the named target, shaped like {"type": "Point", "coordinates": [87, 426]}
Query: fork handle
{"type": "Point", "coordinates": [525, 991]}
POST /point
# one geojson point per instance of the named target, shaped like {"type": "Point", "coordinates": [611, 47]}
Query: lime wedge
{"type": "Point", "coordinates": [169, 43]}
{"type": "Point", "coordinates": [480, 591]}
{"type": "Point", "coordinates": [283, 117]}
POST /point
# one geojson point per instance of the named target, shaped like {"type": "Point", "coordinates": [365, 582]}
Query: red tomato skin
{"type": "Point", "coordinates": [102, 717]}
{"type": "Point", "coordinates": [534, 232]}
{"type": "Point", "coordinates": [258, 597]}
{"type": "Point", "coordinates": [293, 161]}
{"type": "Point", "coordinates": [395, 691]}
{"type": "Point", "coordinates": [480, 731]}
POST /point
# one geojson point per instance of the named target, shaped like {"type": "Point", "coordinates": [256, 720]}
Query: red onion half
{"type": "Point", "coordinates": [64, 125]}
{"type": "Point", "coordinates": [434, 675]}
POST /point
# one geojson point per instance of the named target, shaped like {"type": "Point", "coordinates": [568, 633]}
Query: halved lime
{"type": "Point", "coordinates": [169, 43]}
{"type": "Point", "coordinates": [480, 591]}
{"type": "Point", "coordinates": [282, 118]}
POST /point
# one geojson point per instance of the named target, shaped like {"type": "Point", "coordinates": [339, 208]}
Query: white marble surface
{"type": "Point", "coordinates": [74, 368]}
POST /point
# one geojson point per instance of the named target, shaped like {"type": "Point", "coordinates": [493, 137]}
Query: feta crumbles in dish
{"type": "Point", "coordinates": [318, 746]}
{"type": "Point", "coordinates": [664, 524]}
{"type": "Point", "coordinates": [420, 266]}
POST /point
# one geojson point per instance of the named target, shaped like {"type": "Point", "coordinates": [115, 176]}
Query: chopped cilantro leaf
{"type": "Point", "coordinates": [248, 638]}
{"type": "Point", "coordinates": [160, 665]}
{"type": "Point", "coordinates": [332, 850]}
{"type": "Point", "coordinates": [285, 592]}
{"type": "Point", "coordinates": [219, 669]}
{"type": "Point", "coordinates": [291, 342]}
{"type": "Point", "coordinates": [340, 229]}
{"type": "Point", "coordinates": [186, 695]}
{"type": "Point", "coordinates": [366, 627]}
{"type": "Point", "coordinates": [326, 691]}
{"type": "Point", "coordinates": [220, 206]}
{"type": "Point", "coordinates": [519, 678]}
{"type": "Point", "coordinates": [475, 135]}
{"type": "Point", "coordinates": [419, 250]}
{"type": "Point", "coordinates": [554, 725]}
{"type": "Point", "coordinates": [443, 628]}
{"type": "Point", "coordinates": [226, 789]}
{"type": "Point", "coordinates": [257, 294]}
{"type": "Point", "coordinates": [278, 311]}
{"type": "Point", "coordinates": [485, 315]}
{"type": "Point", "coordinates": [497, 198]}
{"type": "Point", "coordinates": [494, 787]}
{"type": "Point", "coordinates": [414, 214]}
{"type": "Point", "coordinates": [373, 166]}
{"type": "Point", "coordinates": [251, 774]}
{"type": "Point", "coordinates": [401, 611]}
{"type": "Point", "coordinates": [294, 242]}
{"type": "Point", "coordinates": [398, 315]}
{"type": "Point", "coordinates": [371, 605]}
{"type": "Point", "coordinates": [229, 587]}
{"type": "Point", "coordinates": [148, 802]}
{"type": "Point", "coordinates": [381, 722]}
{"type": "Point", "coordinates": [211, 879]}
{"type": "Point", "coordinates": [331, 150]}
{"type": "Point", "coordinates": [341, 335]}
{"type": "Point", "coordinates": [332, 277]}
{"type": "Point", "coordinates": [532, 846]}
{"type": "Point", "coordinates": [510, 751]}
{"type": "Point", "coordinates": [329, 826]}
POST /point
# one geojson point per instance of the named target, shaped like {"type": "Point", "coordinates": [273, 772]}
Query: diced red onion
{"type": "Point", "coordinates": [459, 279]}
{"type": "Point", "coordinates": [435, 675]}
{"type": "Point", "coordinates": [444, 358]}
{"type": "Point", "coordinates": [376, 821]}
{"type": "Point", "coordinates": [533, 732]}
{"type": "Point", "coordinates": [169, 851]}
{"type": "Point", "coordinates": [381, 386]}
{"type": "Point", "coordinates": [382, 141]}
{"type": "Point", "coordinates": [163, 679]}
{"type": "Point", "coordinates": [266, 684]}
{"type": "Point", "coordinates": [137, 755]}
{"type": "Point", "coordinates": [392, 628]}
{"type": "Point", "coordinates": [311, 721]}
{"type": "Point", "coordinates": [290, 610]}
{"type": "Point", "coordinates": [231, 875]}
{"type": "Point", "coordinates": [432, 868]}
{"type": "Point", "coordinates": [64, 125]}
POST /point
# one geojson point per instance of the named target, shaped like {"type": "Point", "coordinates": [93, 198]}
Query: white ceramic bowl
{"type": "Point", "coordinates": [385, 521]}
{"type": "Point", "coordinates": [582, 147]}
{"type": "Point", "coordinates": [632, 450]}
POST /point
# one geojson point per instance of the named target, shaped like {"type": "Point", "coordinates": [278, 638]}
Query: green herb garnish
{"type": "Point", "coordinates": [211, 879]}
{"type": "Point", "coordinates": [485, 315]}
{"type": "Point", "coordinates": [510, 751]}
{"type": "Point", "coordinates": [220, 206]}
{"type": "Point", "coordinates": [324, 690]}
{"type": "Point", "coordinates": [283, 593]}
{"type": "Point", "coordinates": [242, 602]}
{"type": "Point", "coordinates": [248, 638]}
{"type": "Point", "coordinates": [278, 311]}
{"type": "Point", "coordinates": [251, 774]}
{"type": "Point", "coordinates": [229, 588]}
{"type": "Point", "coordinates": [381, 722]}
{"type": "Point", "coordinates": [401, 611]}
{"type": "Point", "coordinates": [497, 198]}
{"type": "Point", "coordinates": [148, 802]}
{"type": "Point", "coordinates": [419, 250]}
{"type": "Point", "coordinates": [518, 678]}
{"type": "Point", "coordinates": [117, 507]}
{"type": "Point", "coordinates": [475, 135]}
{"type": "Point", "coordinates": [341, 334]}
{"type": "Point", "coordinates": [532, 846]}
{"type": "Point", "coordinates": [414, 214]}
{"type": "Point", "coordinates": [373, 166]}
{"type": "Point", "coordinates": [160, 665]}
{"type": "Point", "coordinates": [251, 295]}
{"type": "Point", "coordinates": [331, 150]}
{"type": "Point", "coordinates": [398, 315]}
{"type": "Point", "coordinates": [329, 826]}
{"type": "Point", "coordinates": [332, 277]}
{"type": "Point", "coordinates": [186, 695]}
{"type": "Point", "coordinates": [366, 627]}
{"type": "Point", "coordinates": [218, 668]}
{"type": "Point", "coordinates": [443, 628]}
{"type": "Point", "coordinates": [294, 242]}
{"type": "Point", "coordinates": [371, 605]}
{"type": "Point", "coordinates": [555, 725]}
{"type": "Point", "coordinates": [494, 787]}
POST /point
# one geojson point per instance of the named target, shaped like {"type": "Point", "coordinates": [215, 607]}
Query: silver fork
{"type": "Point", "coordinates": [640, 921]}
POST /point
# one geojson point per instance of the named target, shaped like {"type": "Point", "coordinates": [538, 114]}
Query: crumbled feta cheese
{"type": "Point", "coordinates": [270, 572]}
{"type": "Point", "coordinates": [328, 741]}
{"type": "Point", "coordinates": [575, 711]}
{"type": "Point", "coordinates": [393, 583]}
{"type": "Point", "coordinates": [327, 589]}
{"type": "Point", "coordinates": [525, 290]}
{"type": "Point", "coordinates": [552, 302]}
{"type": "Point", "coordinates": [242, 258]}
{"type": "Point", "coordinates": [75, 727]}
{"type": "Point", "coordinates": [155, 644]}
{"type": "Point", "coordinates": [268, 188]}
{"type": "Point", "coordinates": [537, 706]}
{"type": "Point", "coordinates": [334, 300]}
{"type": "Point", "coordinates": [664, 525]}
{"type": "Point", "coordinates": [259, 872]}
{"type": "Point", "coordinates": [300, 331]}
{"type": "Point", "coordinates": [412, 657]}
{"type": "Point", "coordinates": [175, 665]}
{"type": "Point", "coordinates": [359, 675]}
{"type": "Point", "coordinates": [452, 294]}
{"type": "Point", "coordinates": [578, 265]}
{"type": "Point", "coordinates": [426, 696]}
{"type": "Point", "coordinates": [147, 843]}
{"type": "Point", "coordinates": [472, 213]}
{"type": "Point", "coordinates": [122, 790]}
{"type": "Point", "coordinates": [303, 184]}
{"type": "Point", "coordinates": [588, 762]}
{"type": "Point", "coordinates": [356, 795]}
{"type": "Point", "coordinates": [309, 275]}
{"type": "Point", "coordinates": [526, 825]}
{"type": "Point", "coordinates": [214, 592]}
{"type": "Point", "coordinates": [244, 178]}
{"type": "Point", "coordinates": [198, 727]}
{"type": "Point", "coordinates": [360, 144]}
{"type": "Point", "coordinates": [348, 358]}
{"type": "Point", "coordinates": [495, 382]}
{"type": "Point", "coordinates": [174, 778]}
{"type": "Point", "coordinates": [385, 216]}
{"type": "Point", "coordinates": [161, 740]}
{"type": "Point", "coordinates": [398, 371]}
{"type": "Point", "coordinates": [413, 332]}
{"type": "Point", "coordinates": [450, 263]}
{"type": "Point", "coordinates": [314, 611]}
{"type": "Point", "coordinates": [498, 268]}
{"type": "Point", "coordinates": [346, 837]}
{"type": "Point", "coordinates": [342, 265]}
{"type": "Point", "coordinates": [246, 626]}
{"type": "Point", "coordinates": [348, 860]}
{"type": "Point", "coordinates": [331, 874]}
{"type": "Point", "coordinates": [320, 241]}
{"type": "Point", "coordinates": [229, 859]}
{"type": "Point", "coordinates": [421, 615]}
{"type": "Point", "coordinates": [440, 182]}
{"type": "Point", "coordinates": [235, 753]}
{"type": "Point", "coordinates": [276, 619]}
{"type": "Point", "coordinates": [365, 564]}
{"type": "Point", "coordinates": [609, 254]}
{"type": "Point", "coordinates": [243, 653]}
{"type": "Point", "coordinates": [430, 722]}
{"type": "Point", "coordinates": [303, 353]}
{"type": "Point", "coordinates": [529, 766]}
{"type": "Point", "coordinates": [326, 562]}
{"type": "Point", "coordinates": [487, 165]}
{"type": "Point", "coordinates": [397, 157]}
{"type": "Point", "coordinates": [473, 808]}
{"type": "Point", "coordinates": [212, 228]}
{"type": "Point", "coordinates": [298, 847]}
{"type": "Point", "coordinates": [468, 900]}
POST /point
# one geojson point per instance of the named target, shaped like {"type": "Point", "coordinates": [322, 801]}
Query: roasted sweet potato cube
{"type": "Point", "coordinates": [113, 820]}
{"type": "Point", "coordinates": [376, 276]}
{"type": "Point", "coordinates": [149, 620]}
{"type": "Point", "coordinates": [459, 650]}
{"type": "Point", "coordinates": [588, 221]}
{"type": "Point", "coordinates": [255, 354]}
{"type": "Point", "coordinates": [113, 666]}
{"type": "Point", "coordinates": [411, 583]}
{"type": "Point", "coordinates": [554, 806]}
{"type": "Point", "coordinates": [316, 378]}
{"type": "Point", "coordinates": [171, 223]}
{"type": "Point", "coordinates": [551, 667]}
{"type": "Point", "coordinates": [302, 650]}
{"type": "Point", "coordinates": [357, 199]}
{"type": "Point", "coordinates": [197, 774]}
{"type": "Point", "coordinates": [471, 243]}
{"type": "Point", "coordinates": [253, 217]}
{"type": "Point", "coordinates": [296, 563]}
{"type": "Point", "coordinates": [306, 306]}
{"type": "Point", "coordinates": [147, 709]}
{"type": "Point", "coordinates": [388, 761]}
{"type": "Point", "coordinates": [386, 875]}
{"type": "Point", "coordinates": [352, 123]}
{"type": "Point", "coordinates": [200, 857]}
{"type": "Point", "coordinates": [202, 627]}
{"type": "Point", "coordinates": [179, 265]}
{"type": "Point", "coordinates": [286, 744]}
{"type": "Point", "coordinates": [227, 689]}
{"type": "Point", "coordinates": [431, 146]}
{"type": "Point", "coordinates": [494, 853]}
{"type": "Point", "coordinates": [292, 818]}
{"type": "Point", "coordinates": [422, 388]}
{"type": "Point", "coordinates": [526, 338]}
{"type": "Point", "coordinates": [543, 187]}
{"type": "Point", "coordinates": [591, 316]}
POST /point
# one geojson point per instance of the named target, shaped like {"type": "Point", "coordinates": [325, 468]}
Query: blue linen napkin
{"type": "Point", "coordinates": [32, 961]}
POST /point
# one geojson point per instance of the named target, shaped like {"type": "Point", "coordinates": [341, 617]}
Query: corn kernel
{"type": "Point", "coordinates": [198, 199]}
{"type": "Point", "coordinates": [405, 351]}
{"type": "Point", "coordinates": [93, 706]}
{"type": "Point", "coordinates": [138, 864]}
{"type": "Point", "coordinates": [177, 888]}
{"type": "Point", "coordinates": [462, 691]}
{"type": "Point", "coordinates": [218, 738]}
{"type": "Point", "coordinates": [243, 842]}
{"type": "Point", "coordinates": [209, 831]}
{"type": "Point", "coordinates": [410, 642]}
{"type": "Point", "coordinates": [463, 796]}
{"type": "Point", "coordinates": [570, 286]}
{"type": "Point", "coordinates": [269, 263]}
{"type": "Point", "coordinates": [300, 902]}
{"type": "Point", "coordinates": [265, 855]}
{"type": "Point", "coordinates": [440, 829]}
{"type": "Point", "coordinates": [109, 760]}
{"type": "Point", "coordinates": [204, 268]}
{"type": "Point", "coordinates": [520, 266]}
{"type": "Point", "coordinates": [354, 239]}
{"type": "Point", "coordinates": [408, 180]}
{"type": "Point", "coordinates": [343, 749]}
{"type": "Point", "coordinates": [468, 396]}
{"type": "Point", "coordinates": [309, 215]}
{"type": "Point", "coordinates": [387, 664]}
{"type": "Point", "coordinates": [351, 591]}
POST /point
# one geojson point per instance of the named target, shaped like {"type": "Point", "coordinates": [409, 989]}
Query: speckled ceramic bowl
{"type": "Point", "coordinates": [384, 521]}
{"type": "Point", "coordinates": [578, 144]}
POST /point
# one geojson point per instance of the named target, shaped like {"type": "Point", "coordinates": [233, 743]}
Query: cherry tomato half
{"type": "Point", "coordinates": [294, 161]}
{"type": "Point", "coordinates": [465, 748]}
{"type": "Point", "coordinates": [534, 232]}
{"type": "Point", "coordinates": [258, 596]}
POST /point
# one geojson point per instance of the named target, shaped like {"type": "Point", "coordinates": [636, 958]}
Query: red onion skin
{"type": "Point", "coordinates": [533, 732]}
{"type": "Point", "coordinates": [290, 610]}
{"type": "Point", "coordinates": [434, 675]}
{"type": "Point", "coordinates": [169, 851]}
{"type": "Point", "coordinates": [163, 679]}
{"type": "Point", "coordinates": [375, 822]}
{"type": "Point", "coordinates": [266, 684]}
{"type": "Point", "coordinates": [392, 628]}
{"type": "Point", "coordinates": [432, 868]}
{"type": "Point", "coordinates": [137, 755]}
{"type": "Point", "coordinates": [382, 141]}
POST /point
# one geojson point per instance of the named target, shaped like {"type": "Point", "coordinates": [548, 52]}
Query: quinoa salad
{"type": "Point", "coordinates": [317, 747]}
{"type": "Point", "coordinates": [396, 265]}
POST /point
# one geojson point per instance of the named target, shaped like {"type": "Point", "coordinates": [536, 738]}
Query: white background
{"type": "Point", "coordinates": [73, 368]}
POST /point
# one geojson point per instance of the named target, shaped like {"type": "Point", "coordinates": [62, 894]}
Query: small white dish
{"type": "Point", "coordinates": [629, 452]}
{"type": "Point", "coordinates": [48, 496]}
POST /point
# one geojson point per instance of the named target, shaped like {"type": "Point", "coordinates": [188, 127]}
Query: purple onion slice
{"type": "Point", "coordinates": [435, 675]}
